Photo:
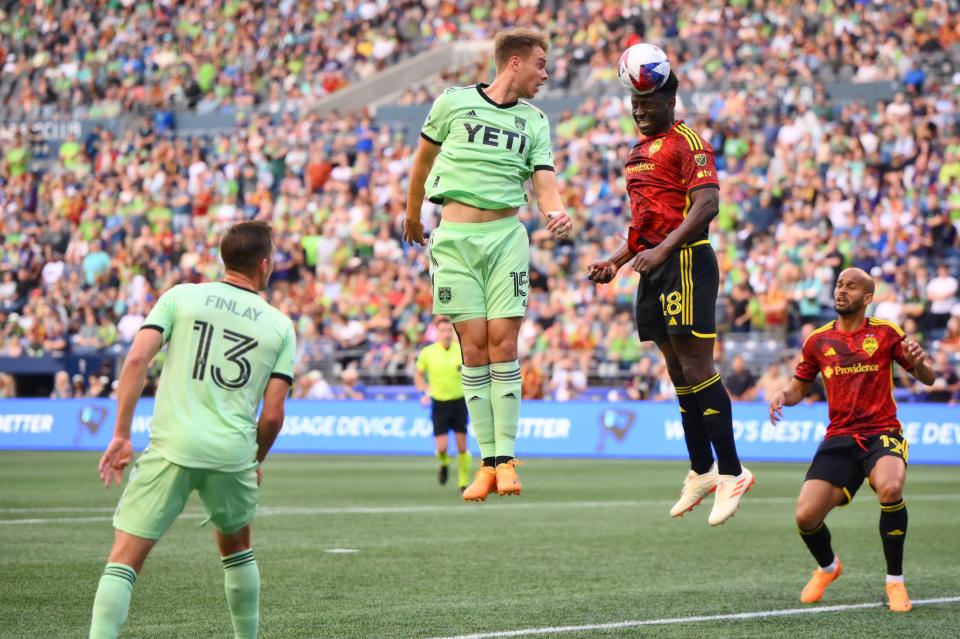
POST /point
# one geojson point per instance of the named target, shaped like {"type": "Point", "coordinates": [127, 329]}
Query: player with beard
{"type": "Point", "coordinates": [855, 355]}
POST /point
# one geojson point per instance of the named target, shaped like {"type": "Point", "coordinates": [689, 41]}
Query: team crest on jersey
{"type": "Point", "coordinates": [870, 345]}
{"type": "Point", "coordinates": [656, 146]}
{"type": "Point", "coordinates": [520, 123]}
{"type": "Point", "coordinates": [700, 159]}
{"type": "Point", "coordinates": [444, 294]}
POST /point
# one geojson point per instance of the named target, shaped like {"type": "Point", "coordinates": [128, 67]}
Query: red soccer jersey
{"type": "Point", "coordinates": [661, 171]}
{"type": "Point", "coordinates": [857, 372]}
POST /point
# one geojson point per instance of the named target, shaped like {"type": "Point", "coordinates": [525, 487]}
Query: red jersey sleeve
{"type": "Point", "coordinates": [809, 367]}
{"type": "Point", "coordinates": [697, 165]}
{"type": "Point", "coordinates": [897, 354]}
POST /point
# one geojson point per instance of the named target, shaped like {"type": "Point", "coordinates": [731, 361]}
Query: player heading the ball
{"type": "Point", "coordinates": [674, 193]}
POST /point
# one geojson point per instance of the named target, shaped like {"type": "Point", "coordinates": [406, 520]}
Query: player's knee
{"type": "Point", "coordinates": [889, 491]}
{"type": "Point", "coordinates": [696, 371]}
{"type": "Point", "coordinates": [807, 518]}
{"type": "Point", "coordinates": [502, 350]}
{"type": "Point", "coordinates": [677, 376]}
{"type": "Point", "coordinates": [474, 354]}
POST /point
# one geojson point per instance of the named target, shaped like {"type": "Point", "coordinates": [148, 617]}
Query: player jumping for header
{"type": "Point", "coordinates": [674, 193]}
{"type": "Point", "coordinates": [478, 147]}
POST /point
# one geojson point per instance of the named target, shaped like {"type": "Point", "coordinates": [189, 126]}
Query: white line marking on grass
{"type": "Point", "coordinates": [461, 508]}
{"type": "Point", "coordinates": [341, 551]}
{"type": "Point", "coordinates": [740, 616]}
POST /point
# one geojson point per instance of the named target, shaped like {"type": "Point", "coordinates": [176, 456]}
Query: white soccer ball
{"type": "Point", "coordinates": [644, 68]}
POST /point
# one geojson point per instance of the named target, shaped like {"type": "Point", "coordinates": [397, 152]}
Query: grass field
{"type": "Point", "coordinates": [589, 542]}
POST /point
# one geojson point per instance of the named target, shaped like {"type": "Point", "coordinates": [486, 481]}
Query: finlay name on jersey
{"type": "Point", "coordinates": [223, 303]}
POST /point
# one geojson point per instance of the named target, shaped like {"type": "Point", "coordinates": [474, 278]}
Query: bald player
{"type": "Point", "coordinates": [864, 440]}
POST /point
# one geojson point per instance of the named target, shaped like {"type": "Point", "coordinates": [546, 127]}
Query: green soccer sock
{"type": "Point", "coordinates": [112, 602]}
{"type": "Point", "coordinates": [241, 582]}
{"type": "Point", "coordinates": [443, 457]}
{"type": "Point", "coordinates": [505, 391]}
{"type": "Point", "coordinates": [476, 392]}
{"type": "Point", "coordinates": [463, 469]}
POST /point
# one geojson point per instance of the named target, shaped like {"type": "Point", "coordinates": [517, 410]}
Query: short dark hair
{"type": "Point", "coordinates": [245, 244]}
{"type": "Point", "coordinates": [669, 89]}
{"type": "Point", "coordinates": [517, 42]}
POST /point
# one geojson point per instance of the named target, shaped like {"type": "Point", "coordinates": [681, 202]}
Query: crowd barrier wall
{"type": "Point", "coordinates": [632, 430]}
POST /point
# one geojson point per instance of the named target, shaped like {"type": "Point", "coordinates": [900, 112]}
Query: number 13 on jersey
{"type": "Point", "coordinates": [234, 355]}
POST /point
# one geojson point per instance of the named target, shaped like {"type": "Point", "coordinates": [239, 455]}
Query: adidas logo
{"type": "Point", "coordinates": [471, 113]}
{"type": "Point", "coordinates": [830, 352]}
{"type": "Point", "coordinates": [673, 321]}
{"type": "Point", "coordinates": [895, 533]}
{"type": "Point", "coordinates": [474, 398]}
{"type": "Point", "coordinates": [508, 396]}
{"type": "Point", "coordinates": [710, 411]}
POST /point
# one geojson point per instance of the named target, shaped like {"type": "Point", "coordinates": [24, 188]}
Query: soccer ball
{"type": "Point", "coordinates": [644, 68]}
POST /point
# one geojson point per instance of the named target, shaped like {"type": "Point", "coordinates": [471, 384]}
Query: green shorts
{"type": "Point", "coordinates": [158, 490]}
{"type": "Point", "coordinates": [480, 269]}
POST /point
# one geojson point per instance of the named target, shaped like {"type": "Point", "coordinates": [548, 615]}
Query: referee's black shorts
{"type": "Point", "coordinates": [449, 415]}
{"type": "Point", "coordinates": [679, 297]}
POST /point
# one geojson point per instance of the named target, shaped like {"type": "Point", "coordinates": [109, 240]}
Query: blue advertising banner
{"type": "Point", "coordinates": [639, 430]}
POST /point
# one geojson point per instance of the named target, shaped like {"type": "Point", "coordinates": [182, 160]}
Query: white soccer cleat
{"type": "Point", "coordinates": [695, 488]}
{"type": "Point", "coordinates": [729, 491]}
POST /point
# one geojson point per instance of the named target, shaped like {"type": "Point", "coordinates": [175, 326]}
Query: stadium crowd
{"type": "Point", "coordinates": [104, 58]}
{"type": "Point", "coordinates": [809, 185]}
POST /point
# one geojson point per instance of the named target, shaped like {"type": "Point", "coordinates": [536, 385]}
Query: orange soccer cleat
{"type": "Point", "coordinates": [508, 483]}
{"type": "Point", "coordinates": [817, 585]}
{"type": "Point", "coordinates": [898, 598]}
{"type": "Point", "coordinates": [484, 483]}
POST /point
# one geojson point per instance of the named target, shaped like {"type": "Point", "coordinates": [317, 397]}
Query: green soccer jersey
{"type": "Point", "coordinates": [225, 343]}
{"type": "Point", "coordinates": [488, 150]}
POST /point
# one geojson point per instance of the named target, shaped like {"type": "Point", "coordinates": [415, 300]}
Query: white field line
{"type": "Point", "coordinates": [461, 508]}
{"type": "Point", "coordinates": [740, 616]}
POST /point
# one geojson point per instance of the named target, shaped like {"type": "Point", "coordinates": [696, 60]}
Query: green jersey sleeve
{"type": "Point", "coordinates": [162, 314]}
{"type": "Point", "coordinates": [437, 125]}
{"type": "Point", "coordinates": [283, 369]}
{"type": "Point", "coordinates": [541, 155]}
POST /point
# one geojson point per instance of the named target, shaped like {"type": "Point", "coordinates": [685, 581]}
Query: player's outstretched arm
{"type": "Point", "coordinates": [271, 416]}
{"type": "Point", "coordinates": [422, 163]}
{"type": "Point", "coordinates": [704, 206]}
{"type": "Point", "coordinates": [550, 203]}
{"type": "Point", "coordinates": [119, 452]}
{"type": "Point", "coordinates": [789, 395]}
{"type": "Point", "coordinates": [604, 271]}
{"type": "Point", "coordinates": [919, 364]}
